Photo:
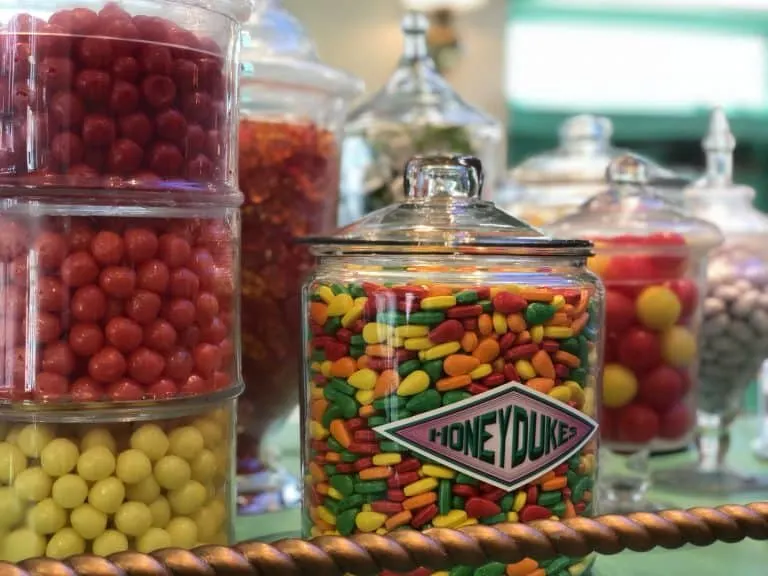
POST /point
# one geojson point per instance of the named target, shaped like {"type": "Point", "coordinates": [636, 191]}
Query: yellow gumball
{"type": "Point", "coordinates": [678, 347]}
{"type": "Point", "coordinates": [598, 264]}
{"type": "Point", "coordinates": [619, 386]}
{"type": "Point", "coordinates": [658, 307]}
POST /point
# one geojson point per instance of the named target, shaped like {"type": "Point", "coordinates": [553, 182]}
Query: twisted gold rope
{"type": "Point", "coordinates": [437, 548]}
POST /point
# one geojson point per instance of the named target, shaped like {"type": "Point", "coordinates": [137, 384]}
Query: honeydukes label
{"type": "Point", "coordinates": [505, 437]}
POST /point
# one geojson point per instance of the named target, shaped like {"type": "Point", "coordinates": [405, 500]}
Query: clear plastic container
{"type": "Point", "coordinates": [98, 306]}
{"type": "Point", "coordinates": [292, 110]}
{"type": "Point", "coordinates": [135, 94]}
{"type": "Point", "coordinates": [415, 112]}
{"type": "Point", "coordinates": [554, 184]}
{"type": "Point", "coordinates": [102, 482]}
{"type": "Point", "coordinates": [652, 259]}
{"type": "Point", "coordinates": [452, 356]}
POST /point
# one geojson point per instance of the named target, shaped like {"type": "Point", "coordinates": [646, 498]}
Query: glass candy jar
{"type": "Point", "coordinates": [734, 337]}
{"type": "Point", "coordinates": [452, 356]}
{"type": "Point", "coordinates": [651, 257]}
{"type": "Point", "coordinates": [415, 112]}
{"type": "Point", "coordinates": [292, 111]}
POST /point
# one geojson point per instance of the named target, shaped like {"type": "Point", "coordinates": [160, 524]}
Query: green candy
{"type": "Point", "coordinates": [341, 386]}
{"type": "Point", "coordinates": [338, 289]}
{"type": "Point", "coordinates": [332, 325]}
{"type": "Point", "coordinates": [332, 505]}
{"type": "Point", "coordinates": [570, 345]}
{"type": "Point", "coordinates": [391, 317]}
{"type": "Point", "coordinates": [347, 456]}
{"type": "Point", "coordinates": [508, 502]}
{"type": "Point", "coordinates": [578, 375]}
{"type": "Point", "coordinates": [548, 499]}
{"type": "Point", "coordinates": [389, 446]}
{"type": "Point", "coordinates": [427, 400]}
{"type": "Point", "coordinates": [487, 306]}
{"type": "Point", "coordinates": [453, 396]}
{"type": "Point", "coordinates": [401, 415]}
{"type": "Point", "coordinates": [370, 486]}
{"type": "Point", "coordinates": [559, 509]}
{"type": "Point", "coordinates": [558, 564]}
{"type": "Point", "coordinates": [390, 403]}
{"type": "Point", "coordinates": [444, 496]}
{"type": "Point", "coordinates": [427, 317]}
{"type": "Point", "coordinates": [458, 503]}
{"type": "Point", "coordinates": [317, 356]}
{"type": "Point", "coordinates": [333, 445]}
{"type": "Point", "coordinates": [492, 569]}
{"type": "Point", "coordinates": [577, 494]}
{"type": "Point", "coordinates": [466, 297]}
{"type": "Point", "coordinates": [538, 313]}
{"type": "Point", "coordinates": [347, 405]}
{"type": "Point", "coordinates": [351, 501]}
{"type": "Point", "coordinates": [356, 291]}
{"type": "Point", "coordinates": [357, 340]}
{"type": "Point", "coordinates": [332, 413]}
{"type": "Point", "coordinates": [573, 478]}
{"type": "Point", "coordinates": [344, 483]}
{"type": "Point", "coordinates": [374, 421]}
{"type": "Point", "coordinates": [329, 469]}
{"type": "Point", "coordinates": [407, 367]}
{"type": "Point", "coordinates": [345, 522]}
{"type": "Point", "coordinates": [497, 519]}
{"type": "Point", "coordinates": [464, 479]}
{"type": "Point", "coordinates": [462, 571]}
{"type": "Point", "coordinates": [356, 351]}
{"type": "Point", "coordinates": [584, 350]}
{"type": "Point", "coordinates": [434, 369]}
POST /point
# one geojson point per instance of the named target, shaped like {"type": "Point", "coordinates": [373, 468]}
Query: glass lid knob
{"type": "Point", "coordinates": [628, 169]}
{"type": "Point", "coordinates": [443, 177]}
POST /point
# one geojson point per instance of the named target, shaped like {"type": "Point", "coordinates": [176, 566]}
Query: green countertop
{"type": "Point", "coordinates": [748, 558]}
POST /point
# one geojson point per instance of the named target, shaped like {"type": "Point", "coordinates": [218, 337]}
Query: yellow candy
{"type": "Point", "coordinates": [577, 394]}
{"type": "Point", "coordinates": [562, 393]}
{"type": "Point", "coordinates": [512, 517]}
{"type": "Point", "coordinates": [387, 459]}
{"type": "Point", "coordinates": [658, 307]}
{"type": "Point", "coordinates": [619, 386]}
{"type": "Point", "coordinates": [65, 543]}
{"type": "Point", "coordinates": [416, 382]}
{"type": "Point", "coordinates": [418, 343]}
{"type": "Point", "coordinates": [450, 520]}
{"type": "Point", "coordinates": [325, 515]}
{"type": "Point", "coordinates": [525, 369]}
{"type": "Point", "coordinates": [33, 485]}
{"type": "Point", "coordinates": [369, 521]}
{"type": "Point", "coordinates": [438, 302]}
{"type": "Point", "coordinates": [519, 501]}
{"type": "Point", "coordinates": [678, 347]}
{"type": "Point", "coordinates": [481, 371]}
{"type": "Point", "coordinates": [499, 323]}
{"type": "Point", "coordinates": [420, 486]}
{"type": "Point", "coordinates": [353, 315]}
{"type": "Point", "coordinates": [317, 431]}
{"type": "Point", "coordinates": [557, 332]}
{"type": "Point", "coordinates": [325, 368]}
{"type": "Point", "coordinates": [22, 544]}
{"type": "Point", "coordinates": [340, 304]}
{"type": "Point", "coordinates": [537, 334]}
{"type": "Point", "coordinates": [12, 462]}
{"type": "Point", "coordinates": [411, 331]}
{"type": "Point", "coordinates": [33, 438]}
{"type": "Point", "coordinates": [325, 294]}
{"type": "Point", "coordinates": [558, 301]}
{"type": "Point", "coordinates": [364, 379]}
{"type": "Point", "coordinates": [153, 539]}
{"type": "Point", "coordinates": [365, 397]}
{"type": "Point", "coordinates": [467, 522]}
{"type": "Point", "coordinates": [440, 351]}
{"type": "Point", "coordinates": [59, 457]}
{"type": "Point", "coordinates": [335, 494]}
{"type": "Point", "coordinates": [437, 471]}
{"type": "Point", "coordinates": [12, 506]}
{"type": "Point", "coordinates": [110, 542]}
{"type": "Point", "coordinates": [374, 333]}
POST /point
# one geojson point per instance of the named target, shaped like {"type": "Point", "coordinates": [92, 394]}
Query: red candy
{"type": "Point", "coordinates": [637, 424]}
{"type": "Point", "coordinates": [639, 349]}
{"type": "Point", "coordinates": [481, 508]}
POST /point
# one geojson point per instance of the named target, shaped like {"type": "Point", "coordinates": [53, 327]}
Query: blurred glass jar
{"type": "Point", "coordinates": [416, 112]}
{"type": "Point", "coordinates": [554, 184]}
{"type": "Point", "coordinates": [292, 110]}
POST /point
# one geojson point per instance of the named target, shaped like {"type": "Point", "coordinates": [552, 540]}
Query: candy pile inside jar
{"type": "Point", "coordinates": [650, 338]}
{"type": "Point", "coordinates": [106, 98]}
{"type": "Point", "coordinates": [115, 308]}
{"type": "Point", "coordinates": [69, 489]}
{"type": "Point", "coordinates": [289, 177]}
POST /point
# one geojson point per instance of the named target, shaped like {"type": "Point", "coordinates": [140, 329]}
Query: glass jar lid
{"type": "Point", "coordinates": [443, 213]}
{"type": "Point", "coordinates": [637, 205]}
{"type": "Point", "coordinates": [275, 48]}
{"type": "Point", "coordinates": [583, 155]}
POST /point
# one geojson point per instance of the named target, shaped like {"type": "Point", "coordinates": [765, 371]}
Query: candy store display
{"type": "Point", "coordinates": [129, 94]}
{"type": "Point", "coordinates": [116, 309]}
{"type": "Point", "coordinates": [104, 487]}
{"type": "Point", "coordinates": [415, 112]}
{"type": "Point", "coordinates": [651, 257]}
{"type": "Point", "coordinates": [734, 336]}
{"type": "Point", "coordinates": [292, 111]}
{"type": "Point", "coordinates": [452, 369]}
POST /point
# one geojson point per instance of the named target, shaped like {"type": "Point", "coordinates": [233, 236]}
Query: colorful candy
{"type": "Point", "coordinates": [67, 489]}
{"type": "Point", "coordinates": [115, 308]}
{"type": "Point", "coordinates": [380, 355]}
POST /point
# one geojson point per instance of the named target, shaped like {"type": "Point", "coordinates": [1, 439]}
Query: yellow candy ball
{"type": "Point", "coordinates": [96, 463]}
{"type": "Point", "coordinates": [13, 434]}
{"type": "Point", "coordinates": [22, 544]}
{"type": "Point", "coordinates": [678, 347]}
{"type": "Point", "coordinates": [209, 520]}
{"type": "Point", "coordinates": [186, 442]}
{"type": "Point", "coordinates": [153, 539]}
{"type": "Point", "coordinates": [110, 542]}
{"type": "Point", "coordinates": [151, 440]}
{"type": "Point", "coordinates": [172, 472]}
{"type": "Point", "coordinates": [146, 491]}
{"type": "Point", "coordinates": [88, 521]}
{"type": "Point", "coordinates": [59, 457]}
{"type": "Point", "coordinates": [33, 485]}
{"type": "Point", "coordinates": [211, 431]}
{"type": "Point", "coordinates": [107, 495]}
{"type": "Point", "coordinates": [161, 512]}
{"type": "Point", "coordinates": [133, 518]}
{"type": "Point", "coordinates": [33, 438]}
{"type": "Point", "coordinates": [11, 508]}
{"type": "Point", "coordinates": [46, 517]}
{"type": "Point", "coordinates": [98, 437]}
{"type": "Point", "coordinates": [619, 386]}
{"type": "Point", "coordinates": [69, 491]}
{"type": "Point", "coordinates": [188, 499]}
{"type": "Point", "coordinates": [133, 466]}
{"type": "Point", "coordinates": [658, 307]}
{"type": "Point", "coordinates": [12, 462]}
{"type": "Point", "coordinates": [65, 543]}
{"type": "Point", "coordinates": [204, 466]}
{"type": "Point", "coordinates": [183, 532]}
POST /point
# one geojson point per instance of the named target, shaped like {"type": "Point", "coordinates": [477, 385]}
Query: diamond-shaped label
{"type": "Point", "coordinates": [507, 437]}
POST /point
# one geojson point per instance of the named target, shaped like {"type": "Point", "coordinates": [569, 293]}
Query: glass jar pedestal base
{"type": "Point", "coordinates": [624, 483]}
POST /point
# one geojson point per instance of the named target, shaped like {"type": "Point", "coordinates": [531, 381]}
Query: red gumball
{"type": "Point", "coordinates": [676, 422]}
{"type": "Point", "coordinates": [637, 424]}
{"type": "Point", "coordinates": [609, 424]}
{"type": "Point", "coordinates": [639, 350]}
{"type": "Point", "coordinates": [688, 294]}
{"type": "Point", "coordinates": [662, 388]}
{"type": "Point", "coordinates": [629, 269]}
{"type": "Point", "coordinates": [667, 266]}
{"type": "Point", "coordinates": [611, 354]}
{"type": "Point", "coordinates": [619, 311]}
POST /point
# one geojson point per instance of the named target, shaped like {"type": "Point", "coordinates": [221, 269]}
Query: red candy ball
{"type": "Point", "coordinates": [688, 294]}
{"type": "Point", "coordinates": [619, 311]}
{"type": "Point", "coordinates": [676, 422]}
{"type": "Point", "coordinates": [637, 424]}
{"type": "Point", "coordinates": [639, 350]}
{"type": "Point", "coordinates": [661, 388]}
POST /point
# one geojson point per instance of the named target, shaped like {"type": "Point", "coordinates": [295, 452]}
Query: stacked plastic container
{"type": "Point", "coordinates": [119, 229]}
